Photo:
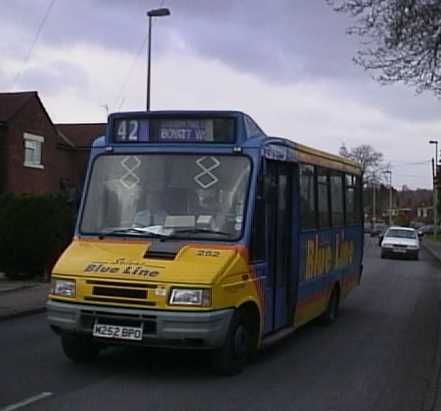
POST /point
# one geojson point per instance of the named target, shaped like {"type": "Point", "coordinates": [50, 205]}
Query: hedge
{"type": "Point", "coordinates": [34, 230]}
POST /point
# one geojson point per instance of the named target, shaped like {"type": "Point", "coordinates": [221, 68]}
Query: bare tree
{"type": "Point", "coordinates": [373, 167]}
{"type": "Point", "coordinates": [401, 40]}
{"type": "Point", "coordinates": [371, 161]}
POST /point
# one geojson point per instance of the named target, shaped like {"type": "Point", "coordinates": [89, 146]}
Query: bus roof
{"type": "Point", "coordinates": [308, 154]}
{"type": "Point", "coordinates": [225, 127]}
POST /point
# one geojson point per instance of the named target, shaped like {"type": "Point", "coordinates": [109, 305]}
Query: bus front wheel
{"type": "Point", "coordinates": [238, 347]}
{"type": "Point", "coordinates": [79, 349]}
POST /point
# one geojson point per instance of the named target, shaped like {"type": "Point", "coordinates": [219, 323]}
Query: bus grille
{"type": "Point", "coordinates": [120, 292]}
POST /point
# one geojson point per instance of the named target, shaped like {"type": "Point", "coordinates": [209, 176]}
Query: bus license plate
{"type": "Point", "coordinates": [117, 331]}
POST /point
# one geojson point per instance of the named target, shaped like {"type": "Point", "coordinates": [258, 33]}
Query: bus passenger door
{"type": "Point", "coordinates": [280, 243]}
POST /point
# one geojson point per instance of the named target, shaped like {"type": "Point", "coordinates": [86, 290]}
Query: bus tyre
{"type": "Point", "coordinates": [238, 347]}
{"type": "Point", "coordinates": [79, 349]}
{"type": "Point", "coordinates": [332, 310]}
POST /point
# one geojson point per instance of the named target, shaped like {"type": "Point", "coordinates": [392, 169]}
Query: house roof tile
{"type": "Point", "coordinates": [80, 135]}
{"type": "Point", "coordinates": [11, 103]}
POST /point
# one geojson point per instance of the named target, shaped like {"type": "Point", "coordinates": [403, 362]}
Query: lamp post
{"type": "Point", "coordinates": [152, 13]}
{"type": "Point", "coordinates": [390, 195]}
{"type": "Point", "coordinates": [435, 190]}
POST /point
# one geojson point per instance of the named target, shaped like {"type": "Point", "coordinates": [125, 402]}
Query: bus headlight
{"type": "Point", "coordinates": [190, 296]}
{"type": "Point", "coordinates": [63, 288]}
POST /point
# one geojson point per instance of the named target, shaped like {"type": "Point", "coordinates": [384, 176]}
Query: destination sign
{"type": "Point", "coordinates": [166, 130]}
{"type": "Point", "coordinates": [186, 130]}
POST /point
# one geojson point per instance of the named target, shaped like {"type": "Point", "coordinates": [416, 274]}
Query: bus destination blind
{"type": "Point", "coordinates": [173, 131]}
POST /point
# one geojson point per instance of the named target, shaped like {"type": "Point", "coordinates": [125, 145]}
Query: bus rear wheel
{"type": "Point", "coordinates": [239, 346]}
{"type": "Point", "coordinates": [79, 349]}
{"type": "Point", "coordinates": [332, 310]}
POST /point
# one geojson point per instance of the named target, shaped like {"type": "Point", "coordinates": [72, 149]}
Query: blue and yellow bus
{"type": "Point", "coordinates": [197, 230]}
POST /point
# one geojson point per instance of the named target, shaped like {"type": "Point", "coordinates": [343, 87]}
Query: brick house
{"type": "Point", "coordinates": [77, 139]}
{"type": "Point", "coordinates": [36, 155]}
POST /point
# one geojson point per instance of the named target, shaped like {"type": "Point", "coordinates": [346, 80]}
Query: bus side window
{"type": "Point", "coordinates": [350, 199]}
{"type": "Point", "coordinates": [258, 233]}
{"type": "Point", "coordinates": [358, 206]}
{"type": "Point", "coordinates": [323, 197]}
{"type": "Point", "coordinates": [337, 198]}
{"type": "Point", "coordinates": [307, 197]}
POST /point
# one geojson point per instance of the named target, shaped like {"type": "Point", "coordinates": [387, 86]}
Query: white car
{"type": "Point", "coordinates": [400, 241]}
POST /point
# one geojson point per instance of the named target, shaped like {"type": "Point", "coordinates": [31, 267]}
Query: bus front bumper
{"type": "Point", "coordinates": [160, 328]}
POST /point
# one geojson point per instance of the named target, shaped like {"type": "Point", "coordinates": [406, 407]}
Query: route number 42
{"type": "Point", "coordinates": [127, 130]}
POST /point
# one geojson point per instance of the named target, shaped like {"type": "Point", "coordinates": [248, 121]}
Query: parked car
{"type": "Point", "coordinates": [400, 241]}
{"type": "Point", "coordinates": [377, 229]}
{"type": "Point", "coordinates": [381, 235]}
{"type": "Point", "coordinates": [427, 229]}
{"type": "Point", "coordinates": [416, 224]}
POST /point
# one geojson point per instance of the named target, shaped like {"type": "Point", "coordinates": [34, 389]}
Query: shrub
{"type": "Point", "coordinates": [34, 230]}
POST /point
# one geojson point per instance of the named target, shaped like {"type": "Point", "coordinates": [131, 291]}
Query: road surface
{"type": "Point", "coordinates": [379, 355]}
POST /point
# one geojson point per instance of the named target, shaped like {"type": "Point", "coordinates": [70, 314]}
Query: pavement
{"type": "Point", "coordinates": [433, 247]}
{"type": "Point", "coordinates": [21, 298]}
{"type": "Point", "coordinates": [433, 399]}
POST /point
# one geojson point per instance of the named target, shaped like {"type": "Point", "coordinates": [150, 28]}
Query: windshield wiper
{"type": "Point", "coordinates": [200, 230]}
{"type": "Point", "coordinates": [127, 230]}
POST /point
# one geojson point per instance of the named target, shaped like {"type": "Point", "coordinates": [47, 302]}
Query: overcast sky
{"type": "Point", "coordinates": [288, 63]}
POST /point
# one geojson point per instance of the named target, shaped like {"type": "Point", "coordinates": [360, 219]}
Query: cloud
{"type": "Point", "coordinates": [288, 63]}
{"type": "Point", "coordinates": [282, 42]}
{"type": "Point", "coordinates": [54, 78]}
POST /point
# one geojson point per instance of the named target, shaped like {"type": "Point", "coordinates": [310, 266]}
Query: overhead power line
{"type": "Point", "coordinates": [415, 163]}
{"type": "Point", "coordinates": [120, 98]}
{"type": "Point", "coordinates": [409, 175]}
{"type": "Point", "coordinates": [34, 41]}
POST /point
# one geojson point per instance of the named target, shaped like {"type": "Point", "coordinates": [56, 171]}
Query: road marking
{"type": "Point", "coordinates": [27, 401]}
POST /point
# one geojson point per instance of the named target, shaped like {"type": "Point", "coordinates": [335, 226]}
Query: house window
{"type": "Point", "coordinates": [32, 150]}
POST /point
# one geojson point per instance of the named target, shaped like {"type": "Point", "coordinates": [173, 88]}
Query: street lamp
{"type": "Point", "coordinates": [390, 195]}
{"type": "Point", "coordinates": [435, 190]}
{"type": "Point", "coordinates": [162, 12]}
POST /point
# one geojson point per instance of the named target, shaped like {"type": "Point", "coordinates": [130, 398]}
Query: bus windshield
{"type": "Point", "coordinates": [167, 195]}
